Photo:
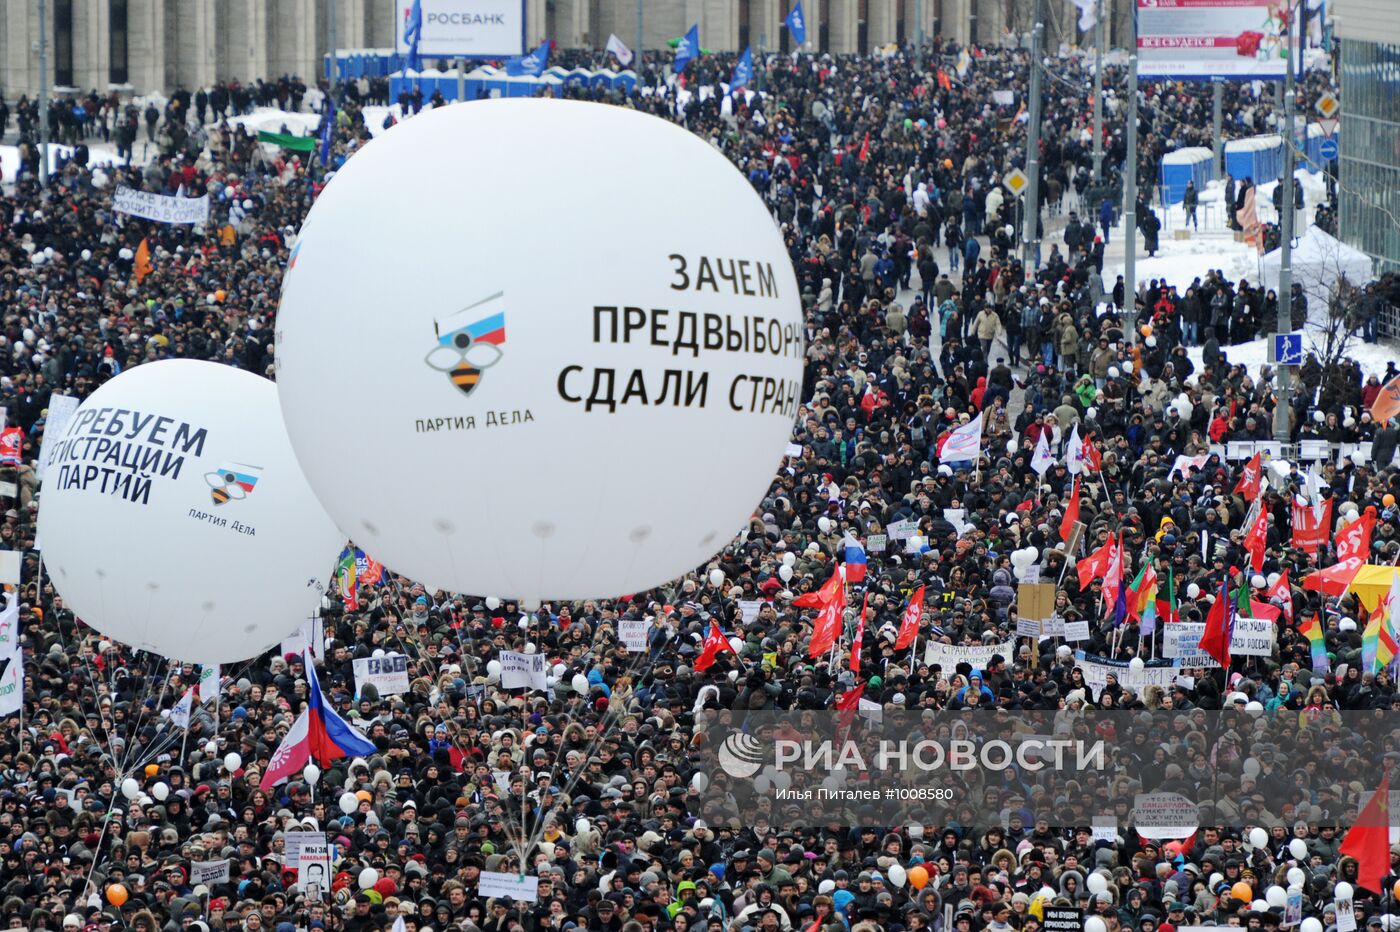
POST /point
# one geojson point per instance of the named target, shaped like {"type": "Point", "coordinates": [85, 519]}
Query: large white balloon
{"type": "Point", "coordinates": [669, 311]}
{"type": "Point", "coordinates": [219, 531]}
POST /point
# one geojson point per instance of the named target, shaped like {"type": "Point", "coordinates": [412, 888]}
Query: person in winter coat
{"type": "Point", "coordinates": [1151, 226]}
{"type": "Point", "coordinates": [987, 325]}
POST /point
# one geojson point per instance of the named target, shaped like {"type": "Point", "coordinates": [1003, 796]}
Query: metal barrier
{"type": "Point", "coordinates": [1388, 321]}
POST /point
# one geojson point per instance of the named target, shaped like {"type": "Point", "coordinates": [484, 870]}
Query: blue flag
{"type": "Point", "coordinates": [412, 35]}
{"type": "Point", "coordinates": [743, 71]}
{"type": "Point", "coordinates": [531, 65]}
{"type": "Point", "coordinates": [327, 132]}
{"type": "Point", "coordinates": [796, 23]}
{"type": "Point", "coordinates": [687, 49]}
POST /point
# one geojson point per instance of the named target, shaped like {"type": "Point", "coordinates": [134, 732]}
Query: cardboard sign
{"type": "Point", "coordinates": [902, 530]}
{"type": "Point", "coordinates": [1035, 600]}
{"type": "Point", "coordinates": [1063, 919]}
{"type": "Point", "coordinates": [493, 885]}
{"type": "Point", "coordinates": [1105, 828]}
{"type": "Point", "coordinates": [1253, 637]}
{"type": "Point", "coordinates": [1096, 670]}
{"type": "Point", "coordinates": [314, 869]}
{"type": "Point", "coordinates": [632, 632]}
{"type": "Point", "coordinates": [293, 841]}
{"type": "Point", "coordinates": [876, 543]}
{"type": "Point", "coordinates": [1346, 917]}
{"type": "Point", "coordinates": [388, 674]}
{"type": "Point", "coordinates": [523, 671]}
{"type": "Point", "coordinates": [978, 656]}
{"type": "Point", "coordinates": [10, 564]}
{"type": "Point", "coordinates": [748, 609]}
{"type": "Point", "coordinates": [1077, 630]}
{"type": "Point", "coordinates": [61, 410]}
{"type": "Point", "coordinates": [1164, 815]}
{"type": "Point", "coordinates": [207, 872]}
{"type": "Point", "coordinates": [1293, 911]}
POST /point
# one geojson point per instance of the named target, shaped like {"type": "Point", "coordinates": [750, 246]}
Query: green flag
{"type": "Point", "coordinates": [305, 144]}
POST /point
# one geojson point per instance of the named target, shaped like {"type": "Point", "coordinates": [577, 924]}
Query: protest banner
{"type": "Point", "coordinates": [388, 674]}
{"type": "Point", "coordinates": [161, 208]}
{"type": "Point", "coordinates": [523, 671]}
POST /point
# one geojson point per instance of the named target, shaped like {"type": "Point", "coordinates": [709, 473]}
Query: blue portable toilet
{"type": "Point", "coordinates": [1190, 164]}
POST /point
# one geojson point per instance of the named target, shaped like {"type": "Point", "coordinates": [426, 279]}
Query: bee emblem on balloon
{"type": "Point", "coordinates": [468, 349]}
{"type": "Point", "coordinates": [233, 484]}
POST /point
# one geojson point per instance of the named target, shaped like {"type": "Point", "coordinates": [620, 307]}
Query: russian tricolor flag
{"type": "Point", "coordinates": [319, 733]}
{"type": "Point", "coordinates": [855, 562]}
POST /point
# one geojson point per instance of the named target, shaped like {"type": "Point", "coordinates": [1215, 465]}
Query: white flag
{"type": "Point", "coordinates": [620, 49]}
{"type": "Point", "coordinates": [965, 443]}
{"type": "Point", "coordinates": [1088, 14]}
{"type": "Point", "coordinates": [1041, 459]}
{"type": "Point", "coordinates": [180, 714]}
{"type": "Point", "coordinates": [1074, 452]}
{"type": "Point", "coordinates": [209, 685]}
{"type": "Point", "coordinates": [11, 658]}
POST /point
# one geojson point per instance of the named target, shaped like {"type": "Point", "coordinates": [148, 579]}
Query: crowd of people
{"type": "Point", "coordinates": [921, 317]}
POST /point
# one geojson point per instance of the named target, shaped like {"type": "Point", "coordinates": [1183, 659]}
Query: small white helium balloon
{"type": "Point", "coordinates": [1299, 849]}
{"type": "Point", "coordinates": [368, 878]}
{"type": "Point", "coordinates": [349, 802]}
{"type": "Point", "coordinates": [1276, 896]}
{"type": "Point", "coordinates": [232, 761]}
{"type": "Point", "coordinates": [1343, 891]}
{"type": "Point", "coordinates": [785, 572]}
{"type": "Point", "coordinates": [716, 578]}
{"type": "Point", "coordinates": [130, 788]}
{"type": "Point", "coordinates": [678, 315]}
{"type": "Point", "coordinates": [1095, 924]}
{"type": "Point", "coordinates": [161, 791]}
{"type": "Point", "coordinates": [789, 558]}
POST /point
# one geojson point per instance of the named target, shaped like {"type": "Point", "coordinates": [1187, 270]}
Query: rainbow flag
{"type": "Point", "coordinates": [1372, 648]}
{"type": "Point", "coordinates": [1316, 641]}
{"type": "Point", "coordinates": [1142, 598]}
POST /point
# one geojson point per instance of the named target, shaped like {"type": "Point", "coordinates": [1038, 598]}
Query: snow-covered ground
{"type": "Point", "coordinates": [1180, 262]}
{"type": "Point", "coordinates": [98, 154]}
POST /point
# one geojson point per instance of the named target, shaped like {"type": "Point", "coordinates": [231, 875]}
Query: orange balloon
{"type": "Point", "coordinates": [1396, 889]}
{"type": "Point", "coordinates": [117, 895]}
{"type": "Point", "coordinates": [1388, 500]}
{"type": "Point", "coordinates": [1146, 330]}
{"type": "Point", "coordinates": [152, 769]}
{"type": "Point", "coordinates": [917, 876]}
{"type": "Point", "coordinates": [1242, 892]}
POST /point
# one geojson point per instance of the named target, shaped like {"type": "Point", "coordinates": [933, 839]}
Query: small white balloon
{"type": "Point", "coordinates": [1258, 906]}
{"type": "Point", "coordinates": [1297, 877]}
{"type": "Point", "coordinates": [763, 784]}
{"type": "Point", "coordinates": [1276, 897]}
{"type": "Point", "coordinates": [700, 782]}
{"type": "Point", "coordinates": [368, 878]}
{"type": "Point", "coordinates": [1299, 849]}
{"type": "Point", "coordinates": [1254, 706]}
{"type": "Point", "coordinates": [378, 652]}
{"type": "Point", "coordinates": [1193, 591]}
{"type": "Point", "coordinates": [580, 826]}
{"type": "Point", "coordinates": [716, 578]}
{"type": "Point", "coordinates": [1343, 891]}
{"type": "Point", "coordinates": [824, 524]}
{"type": "Point", "coordinates": [737, 644]}
{"type": "Point", "coordinates": [1258, 581]}
{"type": "Point", "coordinates": [789, 558]}
{"type": "Point", "coordinates": [349, 802]}
{"type": "Point", "coordinates": [1311, 924]}
{"type": "Point", "coordinates": [897, 875]}
{"type": "Point", "coordinates": [1136, 665]}
{"type": "Point", "coordinates": [232, 761]}
{"type": "Point", "coordinates": [493, 668]}
{"type": "Point", "coordinates": [161, 791]}
{"type": "Point", "coordinates": [580, 684]}
{"type": "Point", "coordinates": [1096, 883]}
{"type": "Point", "coordinates": [559, 670]}
{"type": "Point", "coordinates": [130, 788]}
{"type": "Point", "coordinates": [492, 603]}
{"type": "Point", "coordinates": [311, 772]}
{"type": "Point", "coordinates": [785, 572]}
{"type": "Point", "coordinates": [1095, 924]}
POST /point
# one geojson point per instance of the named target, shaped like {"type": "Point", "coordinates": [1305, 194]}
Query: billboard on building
{"type": "Point", "coordinates": [464, 28]}
{"type": "Point", "coordinates": [1238, 39]}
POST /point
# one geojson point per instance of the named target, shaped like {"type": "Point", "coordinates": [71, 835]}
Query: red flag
{"type": "Point", "coordinates": [1311, 526]}
{"type": "Point", "coordinates": [865, 148]}
{"type": "Point", "coordinates": [143, 265]}
{"type": "Point", "coordinates": [1071, 517]}
{"type": "Point", "coordinates": [944, 81]}
{"type": "Point", "coordinates": [1095, 564]}
{"type": "Point", "coordinates": [828, 625]}
{"type": "Point", "coordinates": [1369, 840]}
{"type": "Point", "coordinates": [1113, 576]}
{"type": "Point", "coordinates": [1220, 624]}
{"type": "Point", "coordinates": [1091, 456]}
{"type": "Point", "coordinates": [715, 643]}
{"type": "Point", "coordinates": [1284, 593]}
{"type": "Point", "coordinates": [850, 699]}
{"type": "Point", "coordinates": [860, 634]}
{"type": "Point", "coordinates": [1256, 539]}
{"type": "Point", "coordinates": [821, 596]}
{"type": "Point", "coordinates": [1353, 550]}
{"type": "Point", "coordinates": [1251, 478]}
{"type": "Point", "coordinates": [909, 626]}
